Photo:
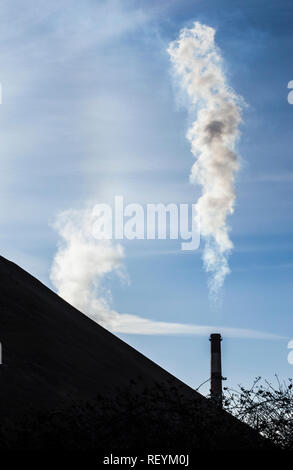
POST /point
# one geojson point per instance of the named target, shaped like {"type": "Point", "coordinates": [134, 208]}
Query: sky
{"type": "Point", "coordinates": [90, 110]}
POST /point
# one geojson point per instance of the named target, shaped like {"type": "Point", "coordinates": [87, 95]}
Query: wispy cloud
{"type": "Point", "coordinates": [133, 324]}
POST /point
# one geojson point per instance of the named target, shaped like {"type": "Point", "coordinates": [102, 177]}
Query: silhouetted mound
{"type": "Point", "coordinates": [67, 383]}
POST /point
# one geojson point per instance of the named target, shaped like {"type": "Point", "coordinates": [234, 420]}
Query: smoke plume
{"type": "Point", "coordinates": [81, 264]}
{"type": "Point", "coordinates": [198, 63]}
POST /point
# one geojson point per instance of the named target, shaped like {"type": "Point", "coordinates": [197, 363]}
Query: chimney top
{"type": "Point", "coordinates": [215, 337]}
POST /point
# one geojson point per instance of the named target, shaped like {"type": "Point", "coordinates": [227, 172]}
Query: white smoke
{"type": "Point", "coordinates": [198, 63]}
{"type": "Point", "coordinates": [79, 270]}
{"type": "Point", "coordinates": [81, 264]}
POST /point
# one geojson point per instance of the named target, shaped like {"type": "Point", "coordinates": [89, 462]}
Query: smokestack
{"type": "Point", "coordinates": [216, 369]}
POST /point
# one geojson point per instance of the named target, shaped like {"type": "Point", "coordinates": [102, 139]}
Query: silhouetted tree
{"type": "Point", "coordinates": [266, 407]}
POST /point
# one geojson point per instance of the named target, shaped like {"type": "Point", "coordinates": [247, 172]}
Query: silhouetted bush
{"type": "Point", "coordinates": [266, 407]}
{"type": "Point", "coordinates": [156, 417]}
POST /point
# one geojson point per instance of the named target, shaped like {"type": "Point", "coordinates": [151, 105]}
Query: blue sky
{"type": "Point", "coordinates": [90, 110]}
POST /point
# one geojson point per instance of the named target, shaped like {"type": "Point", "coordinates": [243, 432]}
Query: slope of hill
{"type": "Point", "coordinates": [55, 357]}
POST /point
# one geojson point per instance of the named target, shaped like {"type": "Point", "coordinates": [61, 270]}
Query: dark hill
{"type": "Point", "coordinates": [57, 360]}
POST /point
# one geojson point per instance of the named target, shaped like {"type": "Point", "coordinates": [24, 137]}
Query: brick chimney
{"type": "Point", "coordinates": [216, 369]}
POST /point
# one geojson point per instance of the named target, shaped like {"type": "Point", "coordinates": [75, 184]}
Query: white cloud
{"type": "Point", "coordinates": [133, 324]}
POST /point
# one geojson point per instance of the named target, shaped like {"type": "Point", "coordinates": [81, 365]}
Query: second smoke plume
{"type": "Point", "coordinates": [213, 134]}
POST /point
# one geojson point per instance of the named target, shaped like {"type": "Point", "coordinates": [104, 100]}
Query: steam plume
{"type": "Point", "coordinates": [81, 264]}
{"type": "Point", "coordinates": [198, 63]}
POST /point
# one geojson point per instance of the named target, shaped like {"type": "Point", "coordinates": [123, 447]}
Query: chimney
{"type": "Point", "coordinates": [216, 369]}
